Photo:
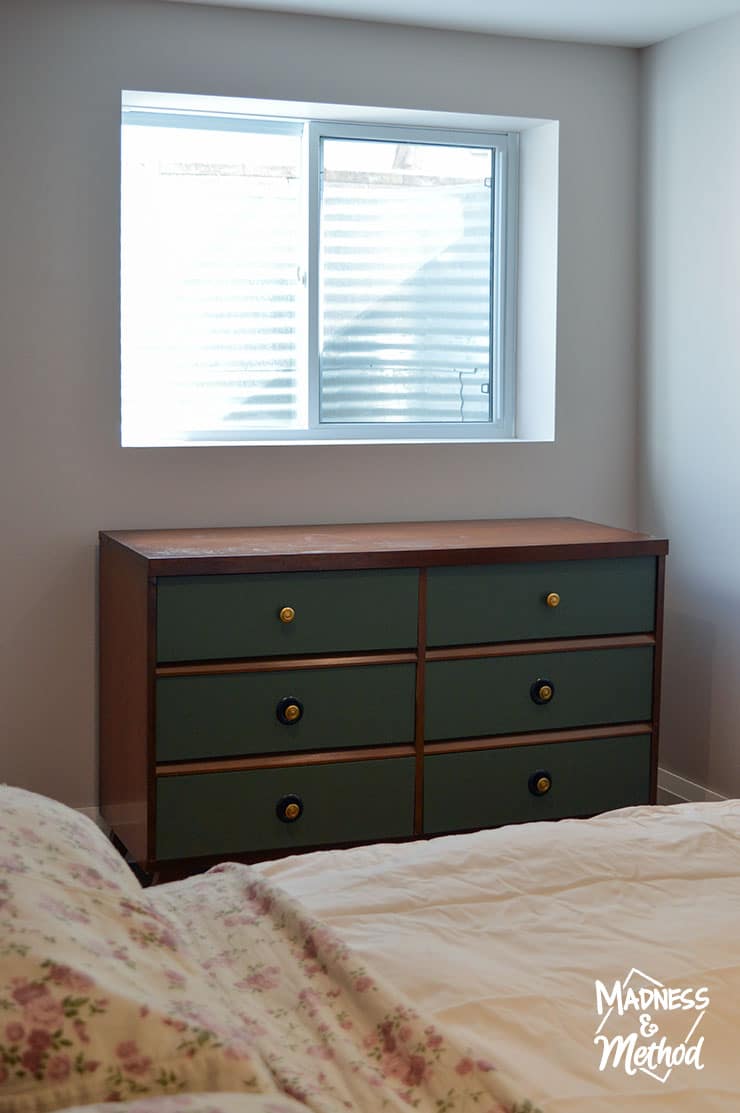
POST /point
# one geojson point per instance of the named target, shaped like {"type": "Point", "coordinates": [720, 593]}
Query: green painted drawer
{"type": "Point", "coordinates": [226, 716]}
{"type": "Point", "coordinates": [487, 788]}
{"type": "Point", "coordinates": [507, 602]}
{"type": "Point", "coordinates": [210, 617]}
{"type": "Point", "coordinates": [492, 695]}
{"type": "Point", "coordinates": [228, 813]}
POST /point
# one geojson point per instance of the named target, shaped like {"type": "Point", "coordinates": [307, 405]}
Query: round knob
{"type": "Point", "coordinates": [289, 710]}
{"type": "Point", "coordinates": [289, 808]}
{"type": "Point", "coordinates": [553, 599]}
{"type": "Point", "coordinates": [542, 691]}
{"type": "Point", "coordinates": [540, 782]}
{"type": "Point", "coordinates": [287, 614]}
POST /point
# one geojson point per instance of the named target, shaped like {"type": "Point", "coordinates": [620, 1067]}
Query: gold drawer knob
{"type": "Point", "coordinates": [540, 782]}
{"type": "Point", "coordinates": [289, 808]}
{"type": "Point", "coordinates": [289, 710]}
{"type": "Point", "coordinates": [553, 599]}
{"type": "Point", "coordinates": [287, 614]}
{"type": "Point", "coordinates": [542, 690]}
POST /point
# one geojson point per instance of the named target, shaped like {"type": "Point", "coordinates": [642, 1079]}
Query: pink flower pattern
{"type": "Point", "coordinates": [114, 993]}
{"type": "Point", "coordinates": [327, 1017]}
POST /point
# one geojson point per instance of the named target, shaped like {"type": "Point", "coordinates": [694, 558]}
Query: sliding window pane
{"type": "Point", "coordinates": [211, 300]}
{"type": "Point", "coordinates": [405, 282]}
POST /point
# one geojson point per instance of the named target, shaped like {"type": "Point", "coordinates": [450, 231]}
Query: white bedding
{"type": "Point", "coordinates": [503, 934]}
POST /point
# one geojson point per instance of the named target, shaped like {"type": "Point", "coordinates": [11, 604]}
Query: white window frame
{"type": "Point", "coordinates": [504, 232]}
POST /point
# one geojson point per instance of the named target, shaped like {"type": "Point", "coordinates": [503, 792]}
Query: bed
{"type": "Point", "coordinates": [455, 974]}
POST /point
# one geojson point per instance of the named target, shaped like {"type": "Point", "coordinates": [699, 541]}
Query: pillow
{"type": "Point", "coordinates": [100, 999]}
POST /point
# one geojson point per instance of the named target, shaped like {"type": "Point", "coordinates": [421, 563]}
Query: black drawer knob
{"type": "Point", "coordinates": [542, 691]}
{"type": "Point", "coordinates": [540, 782]}
{"type": "Point", "coordinates": [289, 808]}
{"type": "Point", "coordinates": [289, 710]}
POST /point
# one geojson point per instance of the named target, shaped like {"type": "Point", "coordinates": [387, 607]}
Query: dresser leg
{"type": "Point", "coordinates": [145, 879]}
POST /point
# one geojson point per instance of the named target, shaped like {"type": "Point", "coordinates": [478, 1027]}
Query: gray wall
{"type": "Point", "coordinates": [690, 397]}
{"type": "Point", "coordinates": [64, 474]}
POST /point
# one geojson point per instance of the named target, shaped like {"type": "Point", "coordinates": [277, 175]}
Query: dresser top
{"type": "Point", "coordinates": [377, 545]}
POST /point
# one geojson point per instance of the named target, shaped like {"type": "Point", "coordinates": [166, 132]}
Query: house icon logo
{"type": "Point", "coordinates": [649, 1027]}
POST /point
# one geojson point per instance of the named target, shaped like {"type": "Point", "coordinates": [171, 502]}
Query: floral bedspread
{"type": "Point", "coordinates": [220, 987]}
{"type": "Point", "coordinates": [333, 1036]}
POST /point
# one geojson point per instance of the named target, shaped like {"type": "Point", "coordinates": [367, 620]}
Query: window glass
{"type": "Point", "coordinates": [308, 279]}
{"type": "Point", "coordinates": [405, 282]}
{"type": "Point", "coordinates": [211, 254]}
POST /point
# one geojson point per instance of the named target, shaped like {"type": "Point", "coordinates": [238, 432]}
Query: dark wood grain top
{"type": "Point", "coordinates": [377, 545]}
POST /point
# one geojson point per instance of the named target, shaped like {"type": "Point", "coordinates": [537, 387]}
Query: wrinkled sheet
{"type": "Point", "coordinates": [331, 1032]}
{"type": "Point", "coordinates": [218, 985]}
{"type": "Point", "coordinates": [197, 1103]}
{"type": "Point", "coordinates": [501, 935]}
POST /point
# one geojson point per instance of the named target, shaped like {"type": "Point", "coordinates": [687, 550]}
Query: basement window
{"type": "Point", "coordinates": [286, 277]}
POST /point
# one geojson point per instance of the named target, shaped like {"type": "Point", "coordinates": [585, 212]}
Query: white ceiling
{"type": "Point", "coordinates": [620, 22]}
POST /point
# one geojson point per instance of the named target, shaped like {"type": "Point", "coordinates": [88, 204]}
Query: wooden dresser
{"type": "Point", "coordinates": [266, 690]}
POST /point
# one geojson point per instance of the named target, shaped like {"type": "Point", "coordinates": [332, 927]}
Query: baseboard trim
{"type": "Point", "coordinates": [673, 789]}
